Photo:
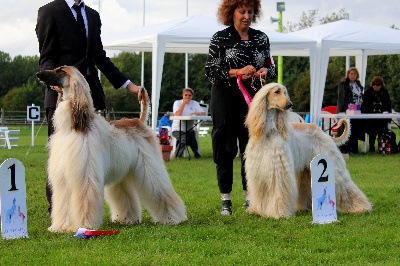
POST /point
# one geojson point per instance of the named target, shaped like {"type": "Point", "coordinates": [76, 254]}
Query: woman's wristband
{"type": "Point", "coordinates": [236, 72]}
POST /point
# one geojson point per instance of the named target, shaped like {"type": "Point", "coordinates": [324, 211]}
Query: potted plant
{"type": "Point", "coordinates": [165, 144]}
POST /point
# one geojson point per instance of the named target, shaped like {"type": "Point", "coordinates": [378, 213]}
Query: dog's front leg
{"type": "Point", "coordinates": [87, 207]}
{"type": "Point", "coordinates": [272, 185]}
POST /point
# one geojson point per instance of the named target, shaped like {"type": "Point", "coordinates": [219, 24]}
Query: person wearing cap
{"type": "Point", "coordinates": [187, 136]}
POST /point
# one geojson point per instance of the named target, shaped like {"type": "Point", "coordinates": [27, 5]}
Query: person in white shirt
{"type": "Point", "coordinates": [186, 107]}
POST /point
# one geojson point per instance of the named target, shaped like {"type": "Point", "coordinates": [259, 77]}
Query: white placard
{"type": "Point", "coordinates": [323, 190]}
{"type": "Point", "coordinates": [33, 113]}
{"type": "Point", "coordinates": [13, 199]}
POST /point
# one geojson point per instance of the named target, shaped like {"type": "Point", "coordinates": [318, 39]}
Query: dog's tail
{"type": "Point", "coordinates": [340, 140]}
{"type": "Point", "coordinates": [144, 102]}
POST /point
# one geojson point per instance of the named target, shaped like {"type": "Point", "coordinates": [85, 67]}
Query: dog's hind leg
{"type": "Point", "coordinates": [349, 198]}
{"type": "Point", "coordinates": [155, 189]}
{"type": "Point", "coordinates": [304, 199]}
{"type": "Point", "coordinates": [123, 201]}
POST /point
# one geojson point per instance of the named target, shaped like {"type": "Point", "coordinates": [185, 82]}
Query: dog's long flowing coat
{"type": "Point", "coordinates": [278, 158]}
{"type": "Point", "coordinates": [91, 158]}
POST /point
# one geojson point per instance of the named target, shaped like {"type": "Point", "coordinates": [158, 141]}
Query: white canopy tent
{"type": "Point", "coordinates": [192, 35]}
{"type": "Point", "coordinates": [345, 38]}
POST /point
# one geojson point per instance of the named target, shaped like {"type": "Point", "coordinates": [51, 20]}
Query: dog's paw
{"type": "Point", "coordinates": [55, 230]}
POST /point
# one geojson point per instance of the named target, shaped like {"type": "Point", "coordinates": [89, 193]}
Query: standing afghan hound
{"type": "Point", "coordinates": [278, 158]}
{"type": "Point", "coordinates": [90, 158]}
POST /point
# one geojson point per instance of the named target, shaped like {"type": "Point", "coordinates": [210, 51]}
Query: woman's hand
{"type": "Point", "coordinates": [247, 72]}
{"type": "Point", "coordinates": [261, 74]}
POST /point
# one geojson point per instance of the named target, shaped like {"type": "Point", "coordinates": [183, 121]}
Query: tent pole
{"type": "Point", "coordinates": [142, 71]}
{"type": "Point", "coordinates": [186, 70]}
{"type": "Point", "coordinates": [187, 56]}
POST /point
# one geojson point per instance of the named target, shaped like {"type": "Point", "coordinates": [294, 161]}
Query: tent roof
{"type": "Point", "coordinates": [343, 37]}
{"type": "Point", "coordinates": [192, 35]}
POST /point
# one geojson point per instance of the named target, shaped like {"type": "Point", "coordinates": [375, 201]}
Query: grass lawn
{"type": "Point", "coordinates": [207, 238]}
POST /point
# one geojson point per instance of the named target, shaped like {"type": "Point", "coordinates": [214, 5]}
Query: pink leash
{"type": "Point", "coordinates": [246, 95]}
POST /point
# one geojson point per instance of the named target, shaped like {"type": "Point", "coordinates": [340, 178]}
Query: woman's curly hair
{"type": "Point", "coordinates": [227, 8]}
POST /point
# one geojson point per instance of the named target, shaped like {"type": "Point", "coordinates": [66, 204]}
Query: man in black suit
{"type": "Point", "coordinates": [68, 32]}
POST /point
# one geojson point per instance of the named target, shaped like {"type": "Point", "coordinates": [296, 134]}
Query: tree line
{"type": "Point", "coordinates": [19, 86]}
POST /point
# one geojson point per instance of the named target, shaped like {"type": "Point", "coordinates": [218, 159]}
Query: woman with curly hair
{"type": "Point", "coordinates": [238, 56]}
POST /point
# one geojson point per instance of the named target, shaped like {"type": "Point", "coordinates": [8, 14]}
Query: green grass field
{"type": "Point", "coordinates": [207, 238]}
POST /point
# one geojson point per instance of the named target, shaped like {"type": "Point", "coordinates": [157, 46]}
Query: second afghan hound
{"type": "Point", "coordinates": [90, 158]}
{"type": "Point", "coordinates": [278, 158]}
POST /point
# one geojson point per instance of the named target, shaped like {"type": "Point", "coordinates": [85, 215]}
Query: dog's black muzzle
{"type": "Point", "coordinates": [50, 77]}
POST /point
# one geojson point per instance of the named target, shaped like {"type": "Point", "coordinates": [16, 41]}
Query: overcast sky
{"type": "Point", "coordinates": [120, 17]}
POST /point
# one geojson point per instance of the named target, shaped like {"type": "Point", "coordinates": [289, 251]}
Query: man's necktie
{"type": "Point", "coordinates": [79, 19]}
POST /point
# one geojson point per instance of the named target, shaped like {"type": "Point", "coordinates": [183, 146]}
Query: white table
{"type": "Point", "coordinates": [362, 116]}
{"type": "Point", "coordinates": [187, 118]}
{"type": "Point", "coordinates": [191, 117]}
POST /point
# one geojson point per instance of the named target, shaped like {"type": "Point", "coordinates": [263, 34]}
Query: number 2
{"type": "Point", "coordinates": [323, 178]}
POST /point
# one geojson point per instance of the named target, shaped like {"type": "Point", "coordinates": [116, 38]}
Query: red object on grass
{"type": "Point", "coordinates": [91, 233]}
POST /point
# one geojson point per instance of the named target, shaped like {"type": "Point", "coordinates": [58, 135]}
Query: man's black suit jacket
{"type": "Point", "coordinates": [60, 43]}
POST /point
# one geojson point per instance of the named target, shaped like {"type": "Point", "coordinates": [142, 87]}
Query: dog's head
{"type": "Point", "coordinates": [277, 96]}
{"type": "Point", "coordinates": [272, 98]}
{"type": "Point", "coordinates": [66, 77]}
{"type": "Point", "coordinates": [58, 77]}
{"type": "Point", "coordinates": [75, 89]}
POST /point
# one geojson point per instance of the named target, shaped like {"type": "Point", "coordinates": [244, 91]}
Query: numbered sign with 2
{"type": "Point", "coordinates": [323, 190]}
{"type": "Point", "coordinates": [13, 199]}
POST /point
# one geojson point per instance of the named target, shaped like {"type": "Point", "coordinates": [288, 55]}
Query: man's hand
{"type": "Point", "coordinates": [134, 89]}
{"type": "Point", "coordinates": [185, 101]}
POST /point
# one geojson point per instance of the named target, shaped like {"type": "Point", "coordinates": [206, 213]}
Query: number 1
{"type": "Point", "coordinates": [13, 187]}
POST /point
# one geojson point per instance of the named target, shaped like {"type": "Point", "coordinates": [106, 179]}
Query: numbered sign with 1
{"type": "Point", "coordinates": [13, 199]}
{"type": "Point", "coordinates": [323, 190]}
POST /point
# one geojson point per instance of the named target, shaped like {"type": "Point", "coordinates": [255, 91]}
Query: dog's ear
{"type": "Point", "coordinates": [81, 103]}
{"type": "Point", "coordinates": [59, 98]}
{"type": "Point", "coordinates": [255, 120]}
{"type": "Point", "coordinates": [281, 124]}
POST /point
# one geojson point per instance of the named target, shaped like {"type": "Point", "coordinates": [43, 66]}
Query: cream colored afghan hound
{"type": "Point", "coordinates": [90, 158]}
{"type": "Point", "coordinates": [278, 158]}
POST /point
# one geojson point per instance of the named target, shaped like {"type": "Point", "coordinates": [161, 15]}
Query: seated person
{"type": "Point", "coordinates": [164, 121]}
{"type": "Point", "coordinates": [376, 100]}
{"type": "Point", "coordinates": [185, 107]}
